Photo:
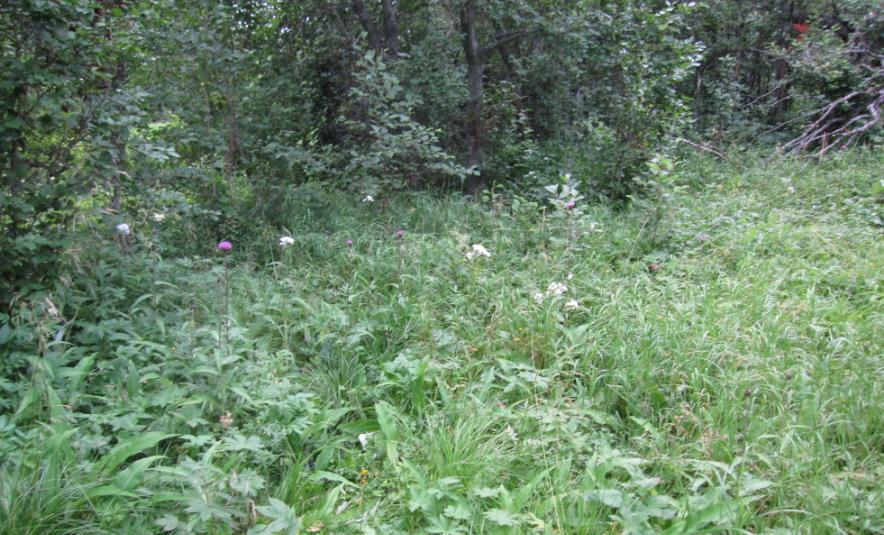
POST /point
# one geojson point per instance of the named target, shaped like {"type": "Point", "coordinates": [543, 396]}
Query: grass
{"type": "Point", "coordinates": [734, 389]}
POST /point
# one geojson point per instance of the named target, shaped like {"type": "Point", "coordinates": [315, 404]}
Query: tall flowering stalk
{"type": "Point", "coordinates": [224, 286]}
{"type": "Point", "coordinates": [123, 232]}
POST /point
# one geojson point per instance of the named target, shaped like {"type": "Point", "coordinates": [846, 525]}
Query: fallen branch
{"type": "Point", "coordinates": [833, 131]}
{"type": "Point", "coordinates": [705, 147]}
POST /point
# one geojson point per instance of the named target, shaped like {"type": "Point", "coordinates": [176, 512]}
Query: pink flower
{"type": "Point", "coordinates": [225, 246]}
{"type": "Point", "coordinates": [349, 243]}
{"type": "Point", "coordinates": [702, 238]}
{"type": "Point", "coordinates": [400, 234]}
{"type": "Point", "coordinates": [570, 205]}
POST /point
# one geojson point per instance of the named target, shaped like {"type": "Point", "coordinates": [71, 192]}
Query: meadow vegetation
{"type": "Point", "coordinates": [706, 360]}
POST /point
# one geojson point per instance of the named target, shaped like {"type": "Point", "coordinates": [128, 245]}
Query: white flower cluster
{"type": "Point", "coordinates": [477, 251]}
{"type": "Point", "coordinates": [556, 289]}
{"type": "Point", "coordinates": [123, 229]}
{"type": "Point", "coordinates": [158, 217]}
{"type": "Point", "coordinates": [368, 198]}
{"type": "Point", "coordinates": [285, 241]}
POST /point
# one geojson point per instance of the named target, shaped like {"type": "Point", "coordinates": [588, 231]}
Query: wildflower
{"type": "Point", "coordinates": [477, 250]}
{"type": "Point", "coordinates": [158, 217]}
{"type": "Point", "coordinates": [226, 420]}
{"type": "Point", "coordinates": [363, 476]}
{"type": "Point", "coordinates": [123, 229]}
{"type": "Point", "coordinates": [349, 243]}
{"type": "Point", "coordinates": [555, 289]}
{"type": "Point", "coordinates": [572, 304]}
{"type": "Point", "coordinates": [570, 205]}
{"type": "Point", "coordinates": [368, 199]}
{"type": "Point", "coordinates": [481, 251]}
{"type": "Point", "coordinates": [364, 438]}
{"type": "Point", "coordinates": [285, 241]}
{"type": "Point", "coordinates": [538, 297]}
{"type": "Point", "coordinates": [702, 238]}
{"type": "Point", "coordinates": [400, 234]}
{"type": "Point", "coordinates": [655, 267]}
{"type": "Point", "coordinates": [570, 276]}
{"type": "Point", "coordinates": [225, 245]}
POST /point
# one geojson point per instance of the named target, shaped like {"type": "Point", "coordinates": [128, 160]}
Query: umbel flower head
{"type": "Point", "coordinates": [158, 217]}
{"type": "Point", "coordinates": [555, 289]}
{"type": "Point", "coordinates": [285, 241]}
{"type": "Point", "coordinates": [225, 246]}
{"type": "Point", "coordinates": [123, 229]}
{"type": "Point", "coordinates": [477, 250]}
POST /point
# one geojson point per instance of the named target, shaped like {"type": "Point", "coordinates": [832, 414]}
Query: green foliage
{"type": "Point", "coordinates": [402, 386]}
{"type": "Point", "coordinates": [388, 149]}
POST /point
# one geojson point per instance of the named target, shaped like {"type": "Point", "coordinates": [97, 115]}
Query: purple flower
{"type": "Point", "coordinates": [400, 234]}
{"type": "Point", "coordinates": [349, 243]}
{"type": "Point", "coordinates": [702, 238]}
{"type": "Point", "coordinates": [225, 246]}
{"type": "Point", "coordinates": [570, 205]}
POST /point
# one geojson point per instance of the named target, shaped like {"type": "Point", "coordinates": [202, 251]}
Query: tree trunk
{"type": "Point", "coordinates": [391, 29]}
{"type": "Point", "coordinates": [475, 74]}
{"type": "Point", "coordinates": [367, 24]}
{"type": "Point", "coordinates": [118, 139]}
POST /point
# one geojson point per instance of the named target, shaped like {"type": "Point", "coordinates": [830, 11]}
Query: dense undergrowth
{"type": "Point", "coordinates": [711, 363]}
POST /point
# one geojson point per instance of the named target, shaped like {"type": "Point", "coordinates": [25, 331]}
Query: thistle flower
{"type": "Point", "coordinates": [285, 241]}
{"type": "Point", "coordinates": [123, 229]}
{"type": "Point", "coordinates": [349, 243]}
{"type": "Point", "coordinates": [364, 438]}
{"type": "Point", "coordinates": [226, 420]}
{"type": "Point", "coordinates": [225, 246]}
{"type": "Point", "coordinates": [570, 205]}
{"type": "Point", "coordinates": [400, 234]}
{"type": "Point", "coordinates": [702, 238]}
{"type": "Point", "coordinates": [655, 267]}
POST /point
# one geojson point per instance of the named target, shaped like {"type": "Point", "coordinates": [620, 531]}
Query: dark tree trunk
{"type": "Point", "coordinates": [367, 24]}
{"type": "Point", "coordinates": [118, 139]}
{"type": "Point", "coordinates": [391, 28]}
{"type": "Point", "coordinates": [475, 89]}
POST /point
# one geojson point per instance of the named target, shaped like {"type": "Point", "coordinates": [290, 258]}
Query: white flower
{"type": "Point", "coordinates": [123, 229]}
{"type": "Point", "coordinates": [364, 438]}
{"type": "Point", "coordinates": [481, 251]}
{"type": "Point", "coordinates": [556, 288]}
{"type": "Point", "coordinates": [285, 241]}
{"type": "Point", "coordinates": [368, 198]}
{"type": "Point", "coordinates": [538, 297]}
{"type": "Point", "coordinates": [570, 276]}
{"type": "Point", "coordinates": [470, 255]}
{"type": "Point", "coordinates": [158, 217]}
{"type": "Point", "coordinates": [572, 304]}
